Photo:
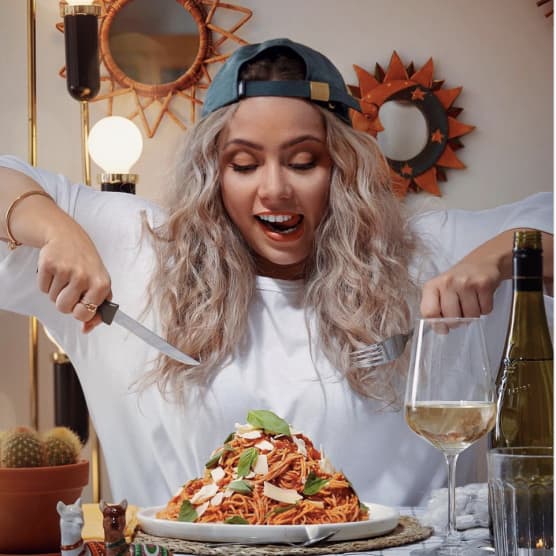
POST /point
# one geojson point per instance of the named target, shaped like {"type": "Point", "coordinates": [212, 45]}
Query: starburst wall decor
{"type": "Point", "coordinates": [151, 103]}
{"type": "Point", "coordinates": [423, 171]}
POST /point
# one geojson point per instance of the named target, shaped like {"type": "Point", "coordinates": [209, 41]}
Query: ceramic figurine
{"type": "Point", "coordinates": [71, 526]}
{"type": "Point", "coordinates": [113, 522]}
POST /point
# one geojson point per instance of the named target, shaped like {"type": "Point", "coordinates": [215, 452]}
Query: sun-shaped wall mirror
{"type": "Point", "coordinates": [415, 122]}
{"type": "Point", "coordinates": [159, 53]}
{"type": "Point", "coordinates": [151, 49]}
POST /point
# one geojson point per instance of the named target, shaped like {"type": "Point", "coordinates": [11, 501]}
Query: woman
{"type": "Point", "coordinates": [281, 252]}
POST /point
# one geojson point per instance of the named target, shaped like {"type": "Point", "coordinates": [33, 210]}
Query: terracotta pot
{"type": "Point", "coordinates": [29, 522]}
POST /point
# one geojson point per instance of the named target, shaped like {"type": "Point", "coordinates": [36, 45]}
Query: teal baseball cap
{"type": "Point", "coordinates": [323, 83]}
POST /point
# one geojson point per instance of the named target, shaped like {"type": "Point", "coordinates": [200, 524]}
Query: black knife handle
{"type": "Point", "coordinates": [107, 311]}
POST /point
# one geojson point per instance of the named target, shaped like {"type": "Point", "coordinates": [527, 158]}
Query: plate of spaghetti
{"type": "Point", "coordinates": [267, 483]}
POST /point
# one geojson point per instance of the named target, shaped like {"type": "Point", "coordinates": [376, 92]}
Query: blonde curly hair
{"type": "Point", "coordinates": [358, 287]}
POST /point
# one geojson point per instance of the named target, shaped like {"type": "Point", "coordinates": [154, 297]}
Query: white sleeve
{"type": "Point", "coordinates": [112, 220]}
{"type": "Point", "coordinates": [449, 235]}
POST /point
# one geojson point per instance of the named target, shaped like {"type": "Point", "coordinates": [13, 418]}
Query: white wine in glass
{"type": "Point", "coordinates": [450, 398]}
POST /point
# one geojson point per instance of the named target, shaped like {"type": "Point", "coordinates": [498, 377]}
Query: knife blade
{"type": "Point", "coordinates": [111, 312]}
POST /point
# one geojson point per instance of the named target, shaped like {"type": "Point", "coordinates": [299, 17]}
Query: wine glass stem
{"type": "Point", "coordinates": [452, 534]}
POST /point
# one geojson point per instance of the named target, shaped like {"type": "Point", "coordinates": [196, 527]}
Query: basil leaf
{"type": "Point", "coordinates": [313, 484]}
{"type": "Point", "coordinates": [281, 509]}
{"type": "Point", "coordinates": [244, 487]}
{"type": "Point", "coordinates": [187, 512]}
{"type": "Point", "coordinates": [363, 507]}
{"type": "Point", "coordinates": [236, 520]}
{"type": "Point", "coordinates": [268, 421]}
{"type": "Point", "coordinates": [216, 457]}
{"type": "Point", "coordinates": [246, 460]}
{"type": "Point", "coordinates": [229, 438]}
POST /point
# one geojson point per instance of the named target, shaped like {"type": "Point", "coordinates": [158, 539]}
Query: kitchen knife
{"type": "Point", "coordinates": [111, 312]}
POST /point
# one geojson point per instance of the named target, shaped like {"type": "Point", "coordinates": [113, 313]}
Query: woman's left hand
{"type": "Point", "coordinates": [465, 290]}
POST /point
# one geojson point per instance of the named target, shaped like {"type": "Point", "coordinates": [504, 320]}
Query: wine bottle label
{"type": "Point", "coordinates": [527, 270]}
{"type": "Point", "coordinates": [527, 262]}
{"type": "Point", "coordinates": [527, 283]}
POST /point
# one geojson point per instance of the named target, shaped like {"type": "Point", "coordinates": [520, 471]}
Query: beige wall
{"type": "Point", "coordinates": [500, 51]}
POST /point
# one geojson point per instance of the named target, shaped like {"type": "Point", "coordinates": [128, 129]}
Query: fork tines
{"type": "Point", "coordinates": [369, 357]}
{"type": "Point", "coordinates": [381, 352]}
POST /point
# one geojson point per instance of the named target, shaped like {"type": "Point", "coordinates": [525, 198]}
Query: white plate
{"type": "Point", "coordinates": [382, 520]}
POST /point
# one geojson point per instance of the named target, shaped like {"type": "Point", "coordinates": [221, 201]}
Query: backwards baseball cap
{"type": "Point", "coordinates": [323, 82]}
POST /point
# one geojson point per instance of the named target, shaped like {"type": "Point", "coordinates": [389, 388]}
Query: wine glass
{"type": "Point", "coordinates": [450, 398]}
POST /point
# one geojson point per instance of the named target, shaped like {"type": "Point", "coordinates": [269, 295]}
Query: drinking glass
{"type": "Point", "coordinates": [450, 398]}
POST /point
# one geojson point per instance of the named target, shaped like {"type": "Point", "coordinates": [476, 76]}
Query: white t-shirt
{"type": "Point", "coordinates": [152, 446]}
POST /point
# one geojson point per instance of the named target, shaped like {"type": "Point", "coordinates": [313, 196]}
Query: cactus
{"type": "Point", "coordinates": [21, 447]}
{"type": "Point", "coordinates": [2, 435]}
{"type": "Point", "coordinates": [61, 446]}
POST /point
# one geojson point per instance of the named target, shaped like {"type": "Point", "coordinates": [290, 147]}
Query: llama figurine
{"type": "Point", "coordinates": [71, 526]}
{"type": "Point", "coordinates": [113, 522]}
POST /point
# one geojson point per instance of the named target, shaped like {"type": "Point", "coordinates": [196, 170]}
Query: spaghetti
{"type": "Point", "coordinates": [267, 474]}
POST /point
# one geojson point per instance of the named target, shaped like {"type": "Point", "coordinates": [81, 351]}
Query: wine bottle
{"type": "Point", "coordinates": [525, 377]}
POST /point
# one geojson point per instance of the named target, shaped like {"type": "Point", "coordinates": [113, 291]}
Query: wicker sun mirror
{"type": "Point", "coordinates": [415, 122]}
{"type": "Point", "coordinates": [161, 53]}
{"type": "Point", "coordinates": [154, 47]}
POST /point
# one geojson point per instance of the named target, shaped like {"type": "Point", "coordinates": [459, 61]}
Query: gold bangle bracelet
{"type": "Point", "coordinates": [12, 242]}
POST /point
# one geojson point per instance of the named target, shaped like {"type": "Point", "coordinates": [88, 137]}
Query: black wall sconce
{"type": "Point", "coordinates": [82, 54]}
{"type": "Point", "coordinates": [70, 408]}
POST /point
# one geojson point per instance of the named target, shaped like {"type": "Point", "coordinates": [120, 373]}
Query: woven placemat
{"type": "Point", "coordinates": [408, 530]}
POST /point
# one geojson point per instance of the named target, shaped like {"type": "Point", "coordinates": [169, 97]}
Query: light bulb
{"type": "Point", "coordinates": [115, 144]}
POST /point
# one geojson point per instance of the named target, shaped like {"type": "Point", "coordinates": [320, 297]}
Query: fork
{"type": "Point", "coordinates": [381, 352]}
{"type": "Point", "coordinates": [314, 540]}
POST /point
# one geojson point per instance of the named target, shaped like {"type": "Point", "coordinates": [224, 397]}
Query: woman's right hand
{"type": "Point", "coordinates": [72, 273]}
{"type": "Point", "coordinates": [70, 269]}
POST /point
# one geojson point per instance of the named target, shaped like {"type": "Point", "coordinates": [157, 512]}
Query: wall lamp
{"type": "Point", "coordinates": [115, 144]}
{"type": "Point", "coordinates": [81, 42]}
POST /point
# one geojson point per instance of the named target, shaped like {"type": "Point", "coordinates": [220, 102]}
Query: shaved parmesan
{"type": "Point", "coordinates": [264, 445]}
{"type": "Point", "coordinates": [207, 492]}
{"type": "Point", "coordinates": [241, 429]}
{"type": "Point", "coordinates": [286, 495]}
{"type": "Point", "coordinates": [300, 443]}
{"type": "Point", "coordinates": [326, 466]}
{"type": "Point", "coordinates": [217, 474]}
{"type": "Point", "coordinates": [261, 467]}
{"type": "Point", "coordinates": [316, 503]}
{"type": "Point", "coordinates": [217, 499]}
{"type": "Point", "coordinates": [201, 509]}
{"type": "Point", "coordinates": [250, 435]}
{"type": "Point", "coordinates": [228, 492]}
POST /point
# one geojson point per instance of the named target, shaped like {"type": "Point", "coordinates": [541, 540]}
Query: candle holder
{"type": "Point", "coordinates": [81, 45]}
{"type": "Point", "coordinates": [521, 485]}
